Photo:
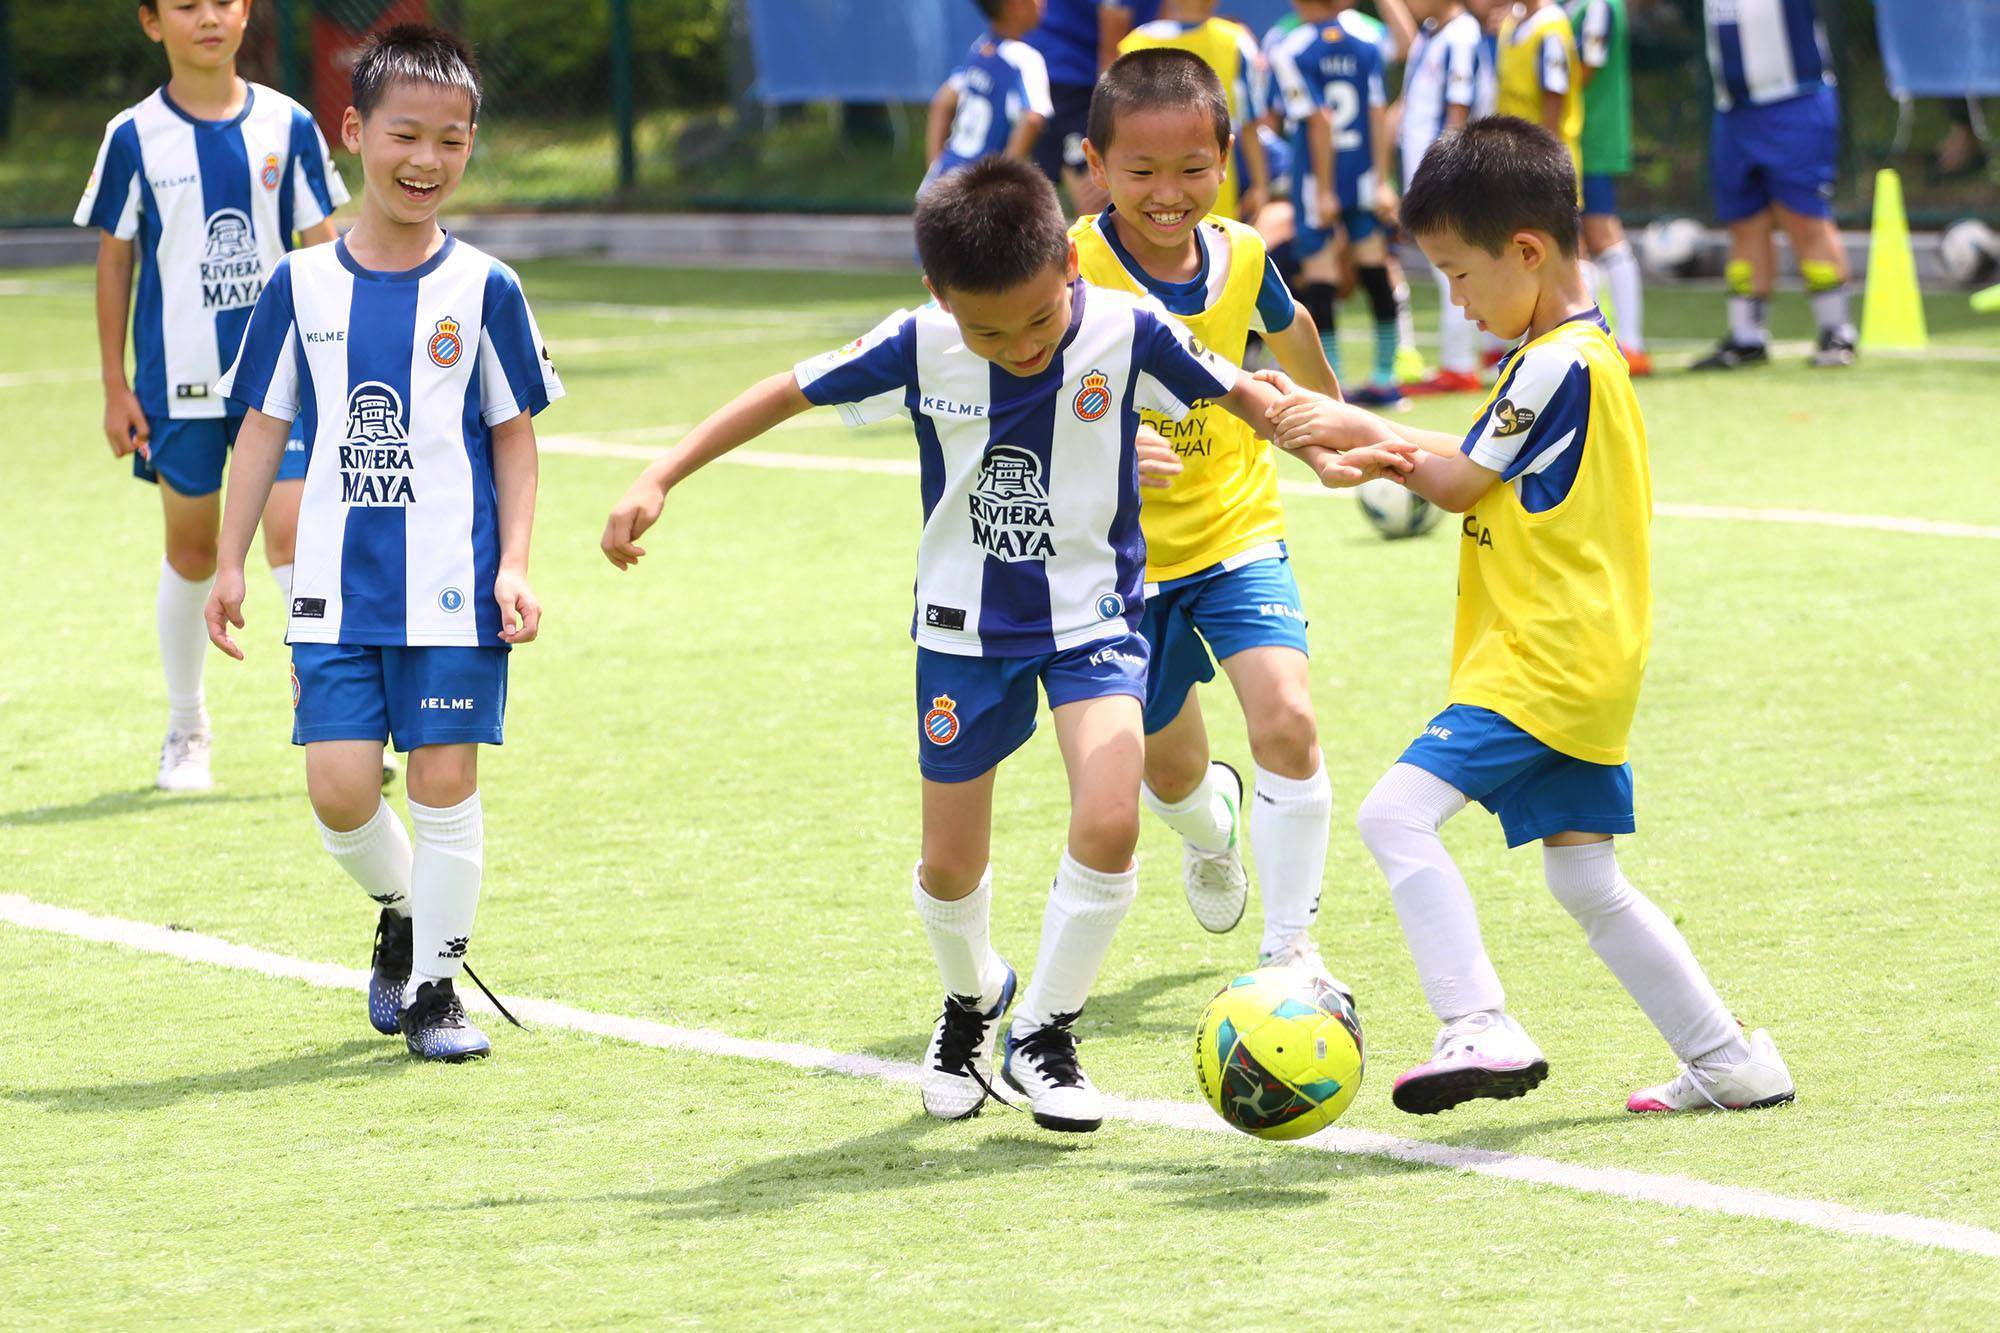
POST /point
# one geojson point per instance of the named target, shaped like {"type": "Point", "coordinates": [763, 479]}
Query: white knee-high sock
{"type": "Point", "coordinates": [1203, 816]}
{"type": "Point", "coordinates": [1085, 907]}
{"type": "Point", "coordinates": [1645, 952]}
{"type": "Point", "coordinates": [1456, 333]}
{"type": "Point", "coordinates": [183, 646]}
{"type": "Point", "coordinates": [961, 940]}
{"type": "Point", "coordinates": [1288, 832]}
{"type": "Point", "coordinates": [1620, 268]}
{"type": "Point", "coordinates": [444, 886]}
{"type": "Point", "coordinates": [282, 576]}
{"type": "Point", "coordinates": [1399, 821]}
{"type": "Point", "coordinates": [376, 856]}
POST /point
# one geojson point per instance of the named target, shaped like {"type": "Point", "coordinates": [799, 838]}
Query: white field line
{"type": "Point", "coordinates": [1612, 1182]}
{"type": "Point", "coordinates": [632, 447]}
{"type": "Point", "coordinates": [17, 379]}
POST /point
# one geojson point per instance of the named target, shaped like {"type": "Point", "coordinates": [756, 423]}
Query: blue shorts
{"type": "Point", "coordinates": [411, 696]}
{"type": "Point", "coordinates": [1783, 152]}
{"type": "Point", "coordinates": [190, 455]}
{"type": "Point", "coordinates": [1353, 187]}
{"type": "Point", "coordinates": [975, 711]}
{"type": "Point", "coordinates": [1535, 790]}
{"type": "Point", "coordinates": [1060, 143]}
{"type": "Point", "coordinates": [1600, 196]}
{"type": "Point", "coordinates": [1252, 606]}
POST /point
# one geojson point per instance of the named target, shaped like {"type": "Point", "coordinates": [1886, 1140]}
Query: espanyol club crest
{"type": "Point", "coordinates": [1093, 400]}
{"type": "Point", "coordinates": [295, 689]}
{"type": "Point", "coordinates": [941, 723]}
{"type": "Point", "coordinates": [445, 345]}
{"type": "Point", "coordinates": [269, 174]}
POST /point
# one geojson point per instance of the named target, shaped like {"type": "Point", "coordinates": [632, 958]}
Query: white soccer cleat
{"type": "Point", "coordinates": [1486, 1054]}
{"type": "Point", "coordinates": [184, 762]}
{"type": "Point", "coordinates": [1761, 1080]}
{"type": "Point", "coordinates": [1217, 888]}
{"type": "Point", "coordinates": [1299, 951]}
{"type": "Point", "coordinates": [1041, 1066]}
{"type": "Point", "coordinates": [958, 1067]}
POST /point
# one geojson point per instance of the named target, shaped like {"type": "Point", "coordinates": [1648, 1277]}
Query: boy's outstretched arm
{"type": "Point", "coordinates": [754, 411]}
{"type": "Point", "coordinates": [944, 105]}
{"type": "Point", "coordinates": [124, 423]}
{"type": "Point", "coordinates": [1300, 352]}
{"type": "Point", "coordinates": [253, 466]}
{"type": "Point", "coordinates": [1021, 143]}
{"type": "Point", "coordinates": [516, 475]}
{"type": "Point", "coordinates": [1255, 400]}
{"type": "Point", "coordinates": [1440, 471]}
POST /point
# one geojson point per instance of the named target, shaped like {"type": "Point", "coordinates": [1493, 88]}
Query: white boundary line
{"type": "Point", "coordinates": [1613, 1182]}
{"type": "Point", "coordinates": [591, 447]}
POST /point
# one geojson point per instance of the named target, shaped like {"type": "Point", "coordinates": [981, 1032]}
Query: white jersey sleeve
{"type": "Point", "coordinates": [1461, 63]}
{"type": "Point", "coordinates": [1034, 73]}
{"type": "Point", "coordinates": [111, 199]}
{"type": "Point", "coordinates": [1593, 34]}
{"type": "Point", "coordinates": [265, 375]}
{"type": "Point", "coordinates": [317, 188]}
{"type": "Point", "coordinates": [1538, 412]}
{"type": "Point", "coordinates": [868, 379]}
{"type": "Point", "coordinates": [1175, 370]}
{"type": "Point", "coordinates": [515, 372]}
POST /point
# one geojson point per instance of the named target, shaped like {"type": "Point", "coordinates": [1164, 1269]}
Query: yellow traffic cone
{"type": "Point", "coordinates": [1892, 312]}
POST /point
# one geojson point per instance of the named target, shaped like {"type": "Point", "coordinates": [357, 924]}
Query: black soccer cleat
{"type": "Point", "coordinates": [1732, 355]}
{"type": "Point", "coordinates": [389, 972]}
{"type": "Point", "coordinates": [435, 1026]}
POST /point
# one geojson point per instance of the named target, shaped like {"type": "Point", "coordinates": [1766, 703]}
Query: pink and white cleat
{"type": "Point", "coordinates": [1760, 1081]}
{"type": "Point", "coordinates": [1480, 1055]}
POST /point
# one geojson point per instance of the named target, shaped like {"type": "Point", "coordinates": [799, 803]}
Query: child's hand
{"type": "Point", "coordinates": [1386, 204]}
{"type": "Point", "coordinates": [1303, 419]}
{"type": "Point", "coordinates": [520, 613]}
{"type": "Point", "coordinates": [1329, 211]}
{"type": "Point", "coordinates": [225, 608]}
{"type": "Point", "coordinates": [1158, 463]}
{"type": "Point", "coordinates": [1390, 458]}
{"type": "Point", "coordinates": [639, 510]}
{"type": "Point", "coordinates": [125, 425]}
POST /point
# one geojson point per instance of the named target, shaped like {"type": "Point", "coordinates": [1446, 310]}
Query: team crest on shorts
{"type": "Point", "coordinates": [445, 345]}
{"type": "Point", "coordinates": [941, 723]}
{"type": "Point", "coordinates": [295, 689]}
{"type": "Point", "coordinates": [1093, 400]}
{"type": "Point", "coordinates": [269, 175]}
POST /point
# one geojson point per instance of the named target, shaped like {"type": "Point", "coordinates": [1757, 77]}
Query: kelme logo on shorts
{"type": "Point", "coordinates": [941, 723]}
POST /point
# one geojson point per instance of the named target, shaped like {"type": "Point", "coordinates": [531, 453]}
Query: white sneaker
{"type": "Point", "coordinates": [958, 1067]}
{"type": "Point", "coordinates": [1217, 887]}
{"type": "Point", "coordinates": [1486, 1054]}
{"type": "Point", "coordinates": [1299, 951]}
{"type": "Point", "coordinates": [184, 762]}
{"type": "Point", "coordinates": [1760, 1081]}
{"type": "Point", "coordinates": [1041, 1066]}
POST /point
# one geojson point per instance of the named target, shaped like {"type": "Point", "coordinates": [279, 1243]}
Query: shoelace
{"type": "Point", "coordinates": [493, 999]}
{"type": "Point", "coordinates": [1694, 1077]}
{"type": "Point", "coordinates": [1053, 1049]}
{"type": "Point", "coordinates": [964, 1028]}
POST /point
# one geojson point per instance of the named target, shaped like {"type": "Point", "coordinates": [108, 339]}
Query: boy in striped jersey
{"type": "Point", "coordinates": [200, 187]}
{"type": "Point", "coordinates": [1024, 388]}
{"type": "Point", "coordinates": [414, 368]}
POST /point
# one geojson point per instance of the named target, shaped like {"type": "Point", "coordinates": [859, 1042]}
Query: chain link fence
{"type": "Point", "coordinates": [649, 104]}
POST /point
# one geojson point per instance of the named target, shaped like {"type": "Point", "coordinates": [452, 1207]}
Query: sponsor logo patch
{"type": "Point", "coordinates": [376, 466]}
{"type": "Point", "coordinates": [941, 723]}
{"type": "Point", "coordinates": [1511, 420]}
{"type": "Point", "coordinates": [309, 608]}
{"type": "Point", "coordinates": [232, 274]}
{"type": "Point", "coordinates": [451, 600]}
{"type": "Point", "coordinates": [1010, 506]}
{"type": "Point", "coordinates": [1110, 606]}
{"type": "Point", "coordinates": [944, 617]}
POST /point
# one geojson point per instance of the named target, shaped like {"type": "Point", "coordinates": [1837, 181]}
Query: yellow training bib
{"type": "Point", "coordinates": [1554, 567]}
{"type": "Point", "coordinates": [1225, 501]}
{"type": "Point", "coordinates": [1522, 73]}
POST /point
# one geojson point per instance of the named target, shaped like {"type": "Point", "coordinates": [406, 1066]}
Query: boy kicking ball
{"type": "Point", "coordinates": [1023, 386]}
{"type": "Point", "coordinates": [416, 368]}
{"type": "Point", "coordinates": [1554, 619]}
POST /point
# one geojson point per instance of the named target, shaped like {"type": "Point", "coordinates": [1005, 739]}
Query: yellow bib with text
{"type": "Point", "coordinates": [1520, 67]}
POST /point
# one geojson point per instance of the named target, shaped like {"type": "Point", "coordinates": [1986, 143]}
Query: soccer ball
{"type": "Point", "coordinates": [1278, 1053]}
{"type": "Point", "coordinates": [1672, 246]}
{"type": "Point", "coordinates": [1395, 510]}
{"type": "Point", "coordinates": [1970, 251]}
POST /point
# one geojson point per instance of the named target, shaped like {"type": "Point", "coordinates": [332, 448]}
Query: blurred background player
{"type": "Point", "coordinates": [1553, 627]}
{"type": "Point", "coordinates": [1604, 54]}
{"type": "Point", "coordinates": [1017, 375]}
{"type": "Point", "coordinates": [1218, 579]}
{"type": "Point", "coordinates": [1773, 149]}
{"type": "Point", "coordinates": [1332, 83]}
{"type": "Point", "coordinates": [1447, 80]}
{"type": "Point", "coordinates": [207, 179]}
{"type": "Point", "coordinates": [417, 369]}
{"type": "Point", "coordinates": [1536, 53]}
{"type": "Point", "coordinates": [997, 101]}
{"type": "Point", "coordinates": [1228, 48]}
{"type": "Point", "coordinates": [1078, 40]}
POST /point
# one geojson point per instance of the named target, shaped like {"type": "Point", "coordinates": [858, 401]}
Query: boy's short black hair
{"type": "Point", "coordinates": [1492, 178]}
{"type": "Point", "coordinates": [1153, 80]}
{"type": "Point", "coordinates": [989, 227]}
{"type": "Point", "coordinates": [990, 8]}
{"type": "Point", "coordinates": [413, 53]}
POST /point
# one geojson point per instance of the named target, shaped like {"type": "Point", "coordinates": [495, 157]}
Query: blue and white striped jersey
{"type": "Point", "coordinates": [212, 205]}
{"type": "Point", "coordinates": [1765, 51]}
{"type": "Point", "coordinates": [1325, 66]}
{"type": "Point", "coordinates": [398, 380]}
{"type": "Point", "coordinates": [1000, 82]}
{"type": "Point", "coordinates": [1031, 540]}
{"type": "Point", "coordinates": [1448, 66]}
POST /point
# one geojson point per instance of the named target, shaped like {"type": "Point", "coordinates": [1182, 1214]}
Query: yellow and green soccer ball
{"type": "Point", "coordinates": [1278, 1053]}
